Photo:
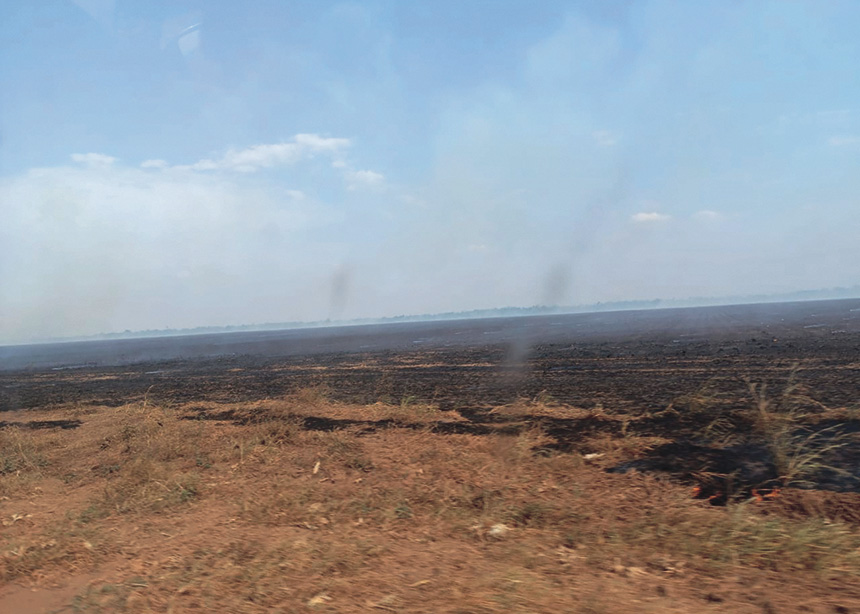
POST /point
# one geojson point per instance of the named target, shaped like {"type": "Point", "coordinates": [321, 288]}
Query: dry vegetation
{"type": "Point", "coordinates": [305, 504]}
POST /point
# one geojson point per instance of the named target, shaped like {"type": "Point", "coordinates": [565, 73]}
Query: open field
{"type": "Point", "coordinates": [648, 462]}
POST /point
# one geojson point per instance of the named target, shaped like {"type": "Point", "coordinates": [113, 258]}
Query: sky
{"type": "Point", "coordinates": [201, 163]}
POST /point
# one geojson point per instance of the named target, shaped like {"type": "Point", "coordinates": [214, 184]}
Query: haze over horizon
{"type": "Point", "coordinates": [184, 164]}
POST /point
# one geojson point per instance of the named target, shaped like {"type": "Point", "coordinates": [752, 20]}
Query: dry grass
{"type": "Point", "coordinates": [782, 421]}
{"type": "Point", "coordinates": [22, 460]}
{"type": "Point", "coordinates": [302, 503]}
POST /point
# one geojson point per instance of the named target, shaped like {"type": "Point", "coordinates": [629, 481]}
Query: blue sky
{"type": "Point", "coordinates": [176, 164]}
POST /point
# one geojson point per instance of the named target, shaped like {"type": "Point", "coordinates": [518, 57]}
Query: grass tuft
{"type": "Point", "coordinates": [798, 452]}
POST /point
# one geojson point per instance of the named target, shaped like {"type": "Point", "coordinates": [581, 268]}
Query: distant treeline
{"type": "Point", "coordinates": [502, 312]}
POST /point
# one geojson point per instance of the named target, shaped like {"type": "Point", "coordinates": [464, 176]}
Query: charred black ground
{"type": "Point", "coordinates": [683, 375]}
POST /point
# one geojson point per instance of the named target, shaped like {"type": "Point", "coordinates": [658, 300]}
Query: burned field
{"type": "Point", "coordinates": [593, 465]}
{"type": "Point", "coordinates": [707, 387]}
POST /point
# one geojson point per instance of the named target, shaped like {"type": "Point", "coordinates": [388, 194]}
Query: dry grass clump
{"type": "Point", "coordinates": [697, 402]}
{"type": "Point", "coordinates": [153, 432]}
{"type": "Point", "coordinates": [799, 436]}
{"type": "Point", "coordinates": [521, 447]}
{"type": "Point", "coordinates": [798, 452]}
{"type": "Point", "coordinates": [142, 486]}
{"type": "Point", "coordinates": [737, 537]}
{"type": "Point", "coordinates": [67, 544]}
{"type": "Point", "coordinates": [541, 405]}
{"type": "Point", "coordinates": [242, 575]}
{"type": "Point", "coordinates": [408, 411]}
{"type": "Point", "coordinates": [22, 459]}
{"type": "Point", "coordinates": [148, 461]}
{"type": "Point", "coordinates": [268, 424]}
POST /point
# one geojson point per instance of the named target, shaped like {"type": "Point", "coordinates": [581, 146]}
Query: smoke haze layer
{"type": "Point", "coordinates": [247, 164]}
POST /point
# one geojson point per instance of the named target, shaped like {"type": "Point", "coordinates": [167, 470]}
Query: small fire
{"type": "Point", "coordinates": [757, 495]}
{"type": "Point", "coordinates": [697, 494]}
{"type": "Point", "coordinates": [768, 496]}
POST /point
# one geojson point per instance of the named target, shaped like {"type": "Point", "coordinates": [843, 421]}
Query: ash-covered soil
{"type": "Point", "coordinates": [682, 374]}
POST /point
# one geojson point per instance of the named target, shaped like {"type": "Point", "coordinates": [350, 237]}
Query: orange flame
{"type": "Point", "coordinates": [768, 496]}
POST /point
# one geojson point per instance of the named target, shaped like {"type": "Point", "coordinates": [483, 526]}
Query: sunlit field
{"type": "Point", "coordinates": [606, 477]}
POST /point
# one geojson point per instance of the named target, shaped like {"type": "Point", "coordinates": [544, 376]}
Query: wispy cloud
{"type": "Point", "coordinates": [252, 159]}
{"type": "Point", "coordinates": [270, 155]}
{"type": "Point", "coordinates": [154, 164]}
{"type": "Point", "coordinates": [649, 217]}
{"type": "Point", "coordinates": [363, 179]}
{"type": "Point", "coordinates": [315, 142]}
{"type": "Point", "coordinates": [93, 160]}
{"type": "Point", "coordinates": [707, 214]}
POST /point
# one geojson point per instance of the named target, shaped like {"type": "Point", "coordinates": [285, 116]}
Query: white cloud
{"type": "Point", "coordinates": [93, 160]}
{"type": "Point", "coordinates": [707, 214]}
{"type": "Point", "coordinates": [843, 140]}
{"type": "Point", "coordinates": [364, 179]}
{"type": "Point", "coordinates": [649, 217]}
{"type": "Point", "coordinates": [89, 248]}
{"type": "Point", "coordinates": [317, 143]}
{"type": "Point", "coordinates": [154, 164]}
{"type": "Point", "coordinates": [253, 158]}
{"type": "Point", "coordinates": [202, 165]}
{"type": "Point", "coordinates": [270, 155]}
